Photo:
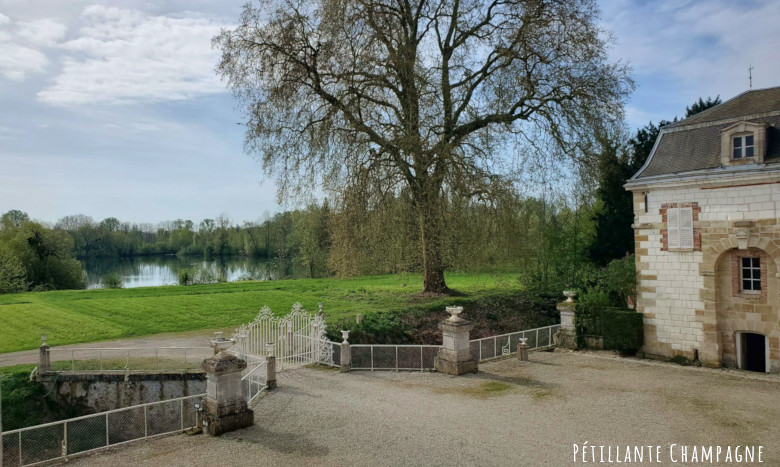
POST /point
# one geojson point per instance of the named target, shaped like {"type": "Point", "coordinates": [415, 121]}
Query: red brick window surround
{"type": "Point", "coordinates": [737, 270]}
{"type": "Point", "coordinates": [696, 210]}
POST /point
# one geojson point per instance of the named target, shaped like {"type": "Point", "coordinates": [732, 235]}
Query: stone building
{"type": "Point", "coordinates": [708, 236]}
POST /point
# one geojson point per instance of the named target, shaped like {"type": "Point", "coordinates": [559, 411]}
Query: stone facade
{"type": "Point", "coordinates": [692, 300]}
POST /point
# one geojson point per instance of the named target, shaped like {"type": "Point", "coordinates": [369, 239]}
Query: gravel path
{"type": "Point", "coordinates": [198, 338]}
{"type": "Point", "coordinates": [511, 413]}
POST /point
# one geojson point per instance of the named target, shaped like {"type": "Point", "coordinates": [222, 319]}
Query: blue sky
{"type": "Point", "coordinates": [113, 108]}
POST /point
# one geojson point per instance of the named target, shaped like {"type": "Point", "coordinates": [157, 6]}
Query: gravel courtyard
{"type": "Point", "coordinates": [511, 413]}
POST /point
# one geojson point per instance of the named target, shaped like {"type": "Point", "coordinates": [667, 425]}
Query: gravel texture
{"type": "Point", "coordinates": [511, 413]}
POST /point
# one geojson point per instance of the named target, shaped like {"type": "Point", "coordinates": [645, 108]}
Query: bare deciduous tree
{"type": "Point", "coordinates": [425, 95]}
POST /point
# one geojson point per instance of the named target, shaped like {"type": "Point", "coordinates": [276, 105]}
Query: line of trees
{"type": "Point", "coordinates": [550, 239]}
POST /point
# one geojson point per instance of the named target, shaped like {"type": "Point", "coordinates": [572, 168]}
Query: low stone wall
{"type": "Point", "coordinates": [91, 393]}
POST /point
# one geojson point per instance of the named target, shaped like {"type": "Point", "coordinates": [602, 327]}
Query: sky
{"type": "Point", "coordinates": [113, 109]}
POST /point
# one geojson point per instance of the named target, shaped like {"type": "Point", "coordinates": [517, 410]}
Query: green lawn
{"type": "Point", "coordinates": [69, 317]}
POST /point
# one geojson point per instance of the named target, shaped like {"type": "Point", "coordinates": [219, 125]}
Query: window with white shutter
{"type": "Point", "coordinates": [679, 227]}
{"type": "Point", "coordinates": [673, 227]}
{"type": "Point", "coordinates": [686, 228]}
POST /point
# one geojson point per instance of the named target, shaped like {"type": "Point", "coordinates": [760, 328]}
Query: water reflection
{"type": "Point", "coordinates": [151, 271]}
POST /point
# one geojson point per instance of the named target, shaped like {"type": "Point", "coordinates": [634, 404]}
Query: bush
{"type": "Point", "coordinates": [204, 276]}
{"type": "Point", "coordinates": [24, 402]}
{"type": "Point", "coordinates": [185, 277]}
{"type": "Point", "coordinates": [588, 317]}
{"type": "Point", "coordinates": [112, 281]}
{"type": "Point", "coordinates": [622, 330]}
{"type": "Point", "coordinates": [620, 279]}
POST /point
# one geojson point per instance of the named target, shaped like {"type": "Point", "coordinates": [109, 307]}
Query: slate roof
{"type": "Point", "coordinates": [694, 143]}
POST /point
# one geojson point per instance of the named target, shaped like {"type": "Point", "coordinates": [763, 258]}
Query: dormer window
{"type": "Point", "coordinates": [743, 146]}
{"type": "Point", "coordinates": [743, 143]}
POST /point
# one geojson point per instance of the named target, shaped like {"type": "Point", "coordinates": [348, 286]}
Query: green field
{"type": "Point", "coordinates": [76, 316]}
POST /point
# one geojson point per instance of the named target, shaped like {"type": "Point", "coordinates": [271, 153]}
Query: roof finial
{"type": "Point", "coordinates": [750, 75]}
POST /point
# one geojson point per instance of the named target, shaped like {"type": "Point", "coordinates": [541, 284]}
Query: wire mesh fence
{"type": "Point", "coordinates": [108, 360]}
{"type": "Point", "coordinates": [393, 357]}
{"type": "Point", "coordinates": [506, 344]}
{"type": "Point", "coordinates": [58, 440]}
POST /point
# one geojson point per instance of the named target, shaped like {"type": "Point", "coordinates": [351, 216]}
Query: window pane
{"type": "Point", "coordinates": [746, 285]}
{"type": "Point", "coordinates": [746, 262]}
{"type": "Point", "coordinates": [756, 285]}
{"type": "Point", "coordinates": [755, 262]}
{"type": "Point", "coordinates": [746, 273]}
{"type": "Point", "coordinates": [749, 140]}
{"type": "Point", "coordinates": [749, 151]}
{"type": "Point", "coordinates": [756, 274]}
{"type": "Point", "coordinates": [738, 142]}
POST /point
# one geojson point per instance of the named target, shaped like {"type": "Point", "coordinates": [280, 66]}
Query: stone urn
{"type": "Point", "coordinates": [345, 336]}
{"type": "Point", "coordinates": [220, 344]}
{"type": "Point", "coordinates": [454, 312]}
{"type": "Point", "coordinates": [570, 295]}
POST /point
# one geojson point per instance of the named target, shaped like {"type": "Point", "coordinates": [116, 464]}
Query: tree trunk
{"type": "Point", "coordinates": [430, 219]}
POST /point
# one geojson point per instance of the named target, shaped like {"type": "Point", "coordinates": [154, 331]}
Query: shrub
{"type": "Point", "coordinates": [588, 317]}
{"type": "Point", "coordinates": [185, 277]}
{"type": "Point", "coordinates": [112, 281]}
{"type": "Point", "coordinates": [623, 330]}
{"type": "Point", "coordinates": [620, 279]}
{"type": "Point", "coordinates": [204, 276]}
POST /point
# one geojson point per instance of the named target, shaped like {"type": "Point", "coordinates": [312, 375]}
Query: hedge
{"type": "Point", "coordinates": [622, 330]}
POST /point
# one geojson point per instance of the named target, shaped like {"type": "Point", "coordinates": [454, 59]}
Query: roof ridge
{"type": "Point", "coordinates": [704, 113]}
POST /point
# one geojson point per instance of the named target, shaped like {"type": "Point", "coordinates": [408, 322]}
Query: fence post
{"type": "Point", "coordinates": [522, 349]}
{"type": "Point", "coordinates": [455, 356]}
{"type": "Point", "coordinates": [346, 353]}
{"type": "Point", "coordinates": [44, 357]}
{"type": "Point", "coordinates": [270, 367]}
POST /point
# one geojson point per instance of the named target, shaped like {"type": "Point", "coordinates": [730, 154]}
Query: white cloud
{"type": "Point", "coordinates": [703, 48]}
{"type": "Point", "coordinates": [123, 55]}
{"type": "Point", "coordinates": [41, 32]}
{"type": "Point", "coordinates": [20, 43]}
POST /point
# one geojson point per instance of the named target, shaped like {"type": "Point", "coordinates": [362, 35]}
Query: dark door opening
{"type": "Point", "coordinates": [753, 352]}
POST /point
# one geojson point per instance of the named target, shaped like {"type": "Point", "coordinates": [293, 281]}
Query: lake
{"type": "Point", "coordinates": [151, 271]}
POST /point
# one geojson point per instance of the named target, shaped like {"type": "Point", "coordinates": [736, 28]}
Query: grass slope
{"type": "Point", "coordinates": [69, 317]}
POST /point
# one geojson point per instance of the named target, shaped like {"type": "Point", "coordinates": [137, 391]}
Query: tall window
{"type": "Point", "coordinates": [743, 146]}
{"type": "Point", "coordinates": [679, 224]}
{"type": "Point", "coordinates": [751, 274]}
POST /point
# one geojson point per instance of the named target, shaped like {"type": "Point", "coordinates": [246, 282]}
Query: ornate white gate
{"type": "Point", "coordinates": [295, 340]}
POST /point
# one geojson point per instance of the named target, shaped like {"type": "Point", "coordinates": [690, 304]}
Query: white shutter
{"type": "Point", "coordinates": [686, 228]}
{"type": "Point", "coordinates": [673, 227]}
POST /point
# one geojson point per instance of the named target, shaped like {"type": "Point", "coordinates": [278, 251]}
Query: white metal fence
{"type": "Point", "coordinates": [393, 357]}
{"type": "Point", "coordinates": [506, 344]}
{"type": "Point", "coordinates": [297, 338]}
{"type": "Point", "coordinates": [254, 381]}
{"type": "Point", "coordinates": [117, 360]}
{"type": "Point", "coordinates": [58, 440]}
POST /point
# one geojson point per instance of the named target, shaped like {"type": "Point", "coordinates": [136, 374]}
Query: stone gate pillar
{"type": "Point", "coordinates": [566, 337]}
{"type": "Point", "coordinates": [346, 353]}
{"type": "Point", "coordinates": [225, 408]}
{"type": "Point", "coordinates": [44, 358]}
{"type": "Point", "coordinates": [455, 356]}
